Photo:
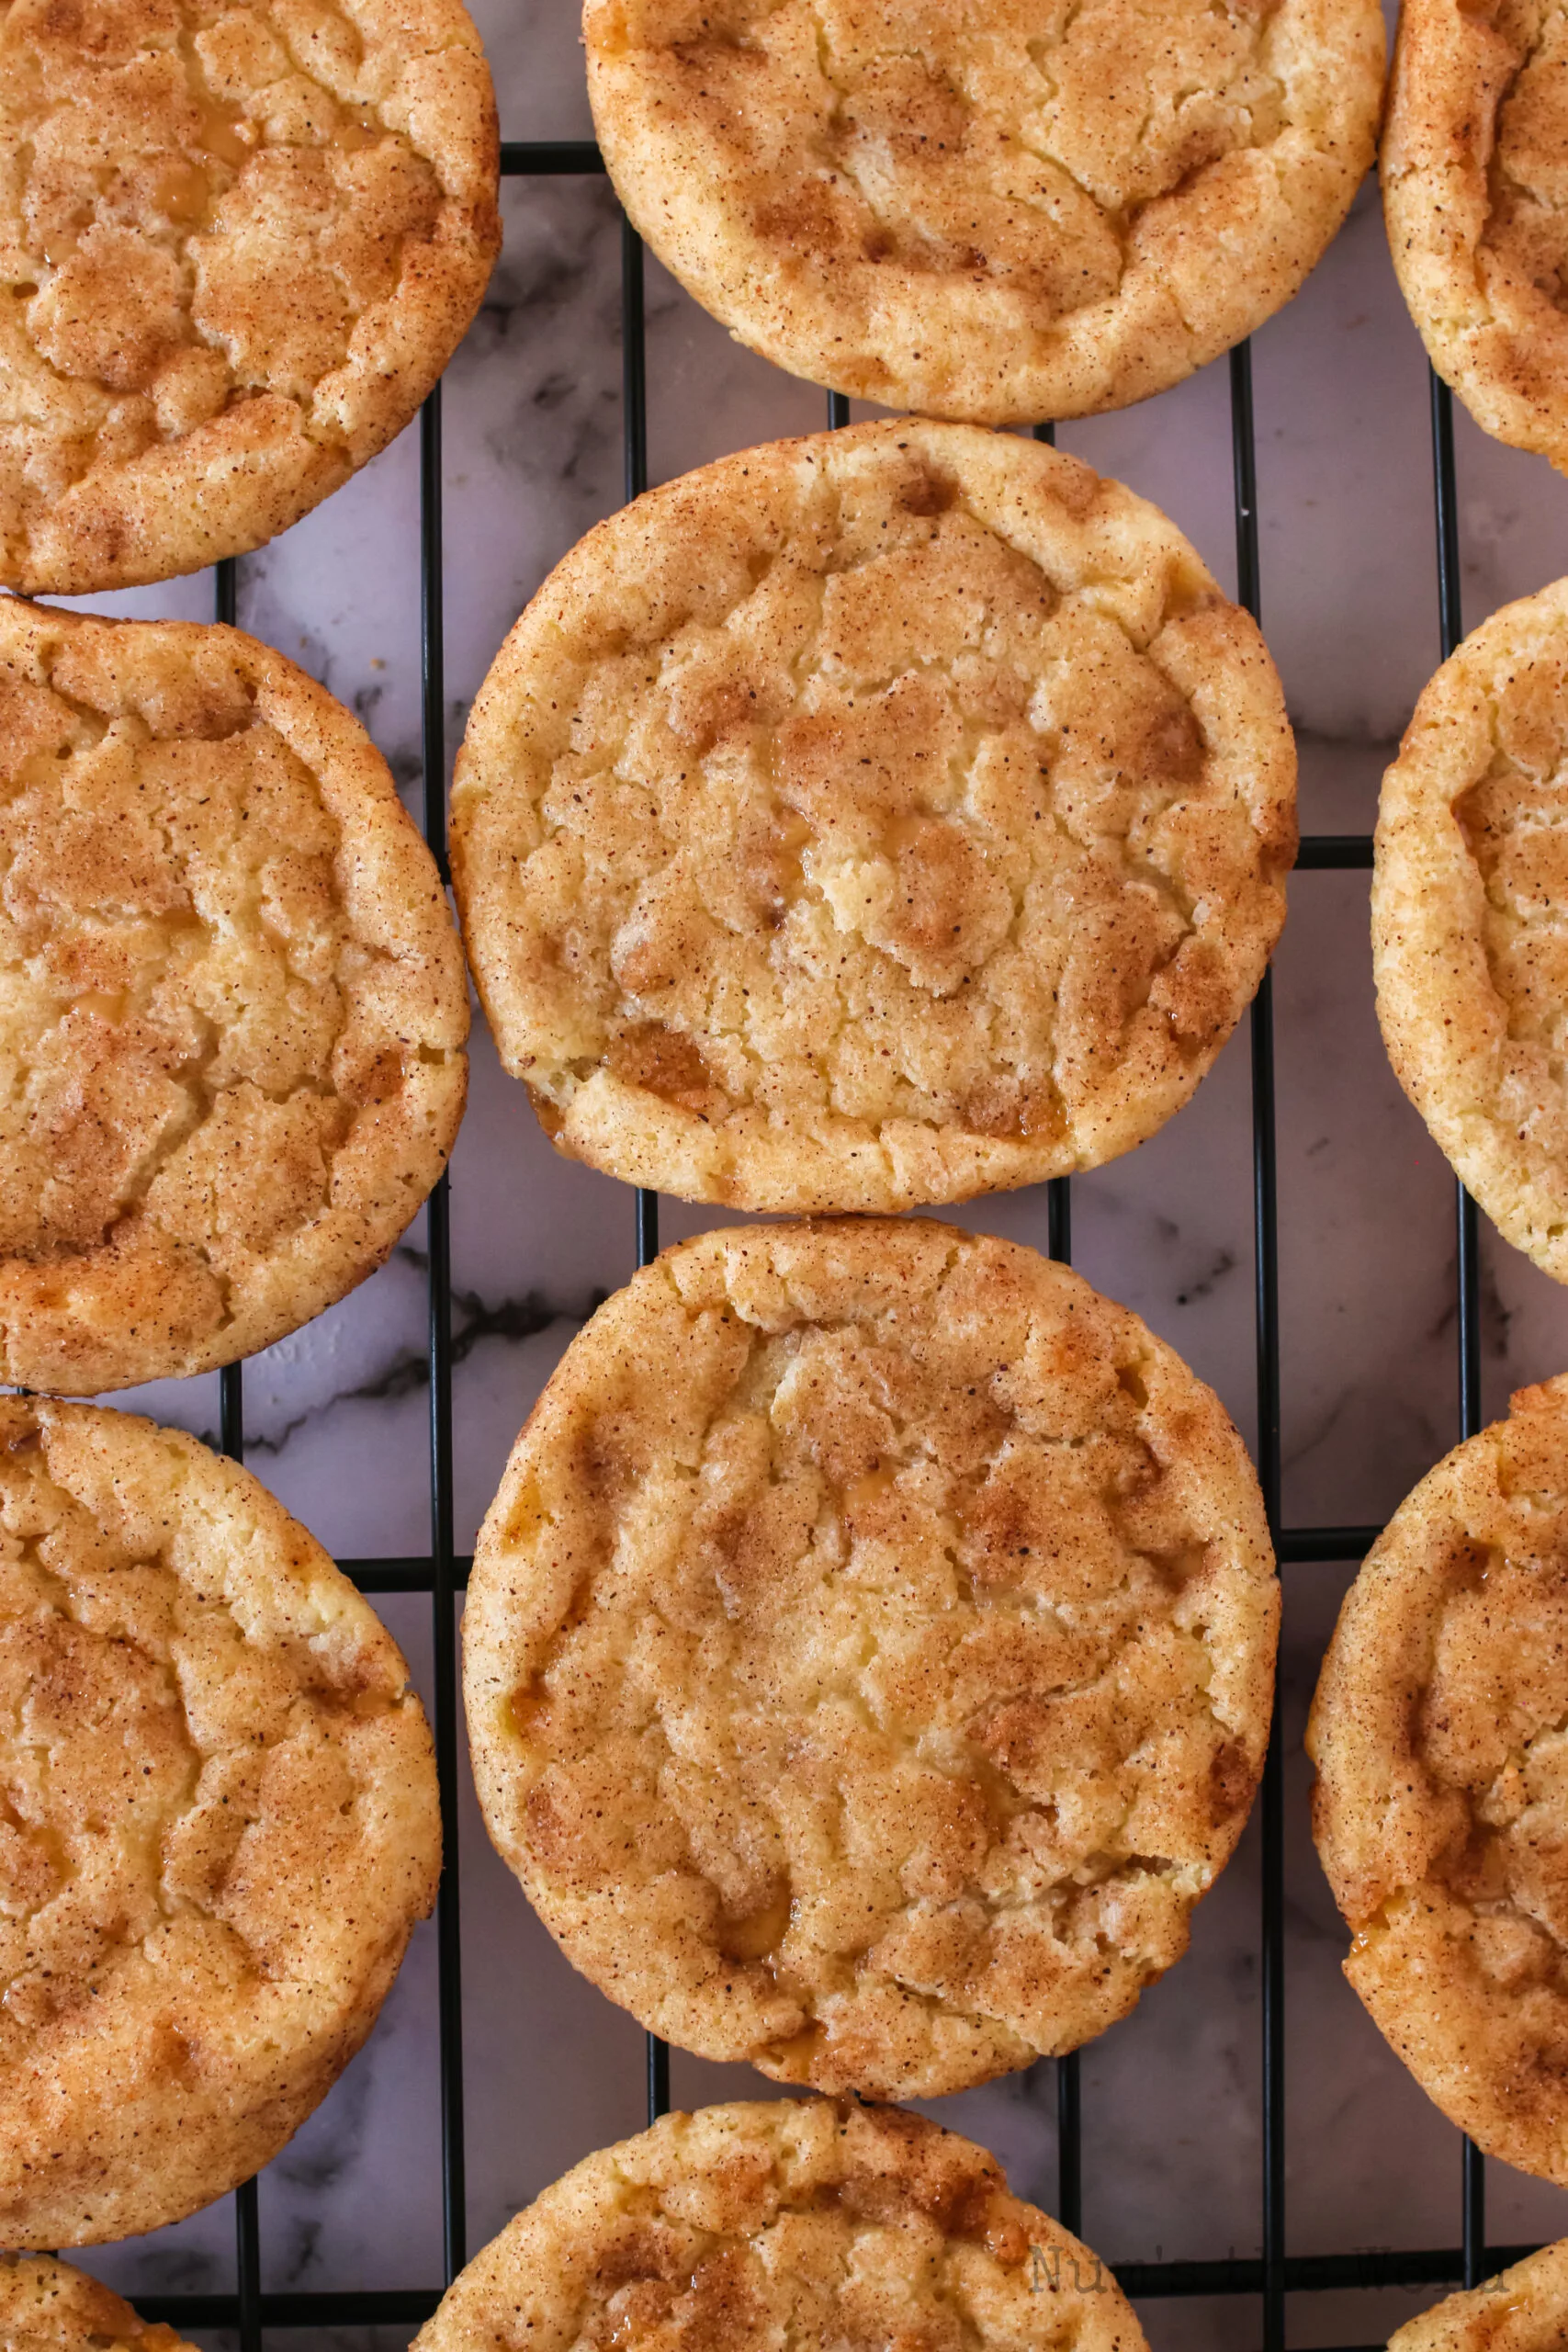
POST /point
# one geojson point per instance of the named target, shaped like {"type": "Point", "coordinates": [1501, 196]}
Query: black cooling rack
{"type": "Point", "coordinates": [1272, 2275]}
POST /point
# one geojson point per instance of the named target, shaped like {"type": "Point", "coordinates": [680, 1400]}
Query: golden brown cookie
{"type": "Point", "coordinates": [1469, 950]}
{"type": "Point", "coordinates": [868, 1654]}
{"type": "Point", "coordinates": [48, 2306]}
{"type": "Point", "coordinates": [980, 209]}
{"type": "Point", "coordinates": [1476, 197]}
{"type": "Point", "coordinates": [232, 1001]}
{"type": "Point", "coordinates": [217, 1824]}
{"type": "Point", "coordinates": [241, 241]}
{"type": "Point", "coordinates": [871, 821]}
{"type": "Point", "coordinates": [1441, 1806]}
{"type": "Point", "coordinates": [788, 2221]}
{"type": "Point", "coordinates": [1522, 2310]}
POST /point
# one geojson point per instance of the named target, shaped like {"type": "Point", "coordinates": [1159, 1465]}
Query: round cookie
{"type": "Point", "coordinates": [1522, 2310]}
{"type": "Point", "coordinates": [868, 1654]}
{"type": "Point", "coordinates": [48, 2306]}
{"type": "Point", "coordinates": [1441, 1806]}
{"type": "Point", "coordinates": [219, 1824]}
{"type": "Point", "coordinates": [240, 240]}
{"type": "Point", "coordinates": [232, 1001]}
{"type": "Point", "coordinates": [872, 820]}
{"type": "Point", "coordinates": [982, 210]}
{"type": "Point", "coordinates": [784, 2221]}
{"type": "Point", "coordinates": [1469, 959]}
{"type": "Point", "coordinates": [1477, 208]}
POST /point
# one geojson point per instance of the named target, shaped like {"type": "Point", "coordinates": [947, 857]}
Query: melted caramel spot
{"type": "Point", "coordinates": [223, 131]}
{"type": "Point", "coordinates": [667, 1064]}
{"type": "Point", "coordinates": [755, 1935]}
{"type": "Point", "coordinates": [184, 193]}
{"type": "Point", "coordinates": [357, 127]}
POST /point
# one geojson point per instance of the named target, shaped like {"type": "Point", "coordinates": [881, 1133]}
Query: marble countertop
{"type": "Point", "coordinates": [336, 1416]}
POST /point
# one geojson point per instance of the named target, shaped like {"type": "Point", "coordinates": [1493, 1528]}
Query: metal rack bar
{"type": "Point", "coordinates": [1146, 2281]}
{"type": "Point", "coordinates": [1467, 1231]}
{"type": "Point", "coordinates": [232, 1441]}
{"type": "Point", "coordinates": [1266, 1268]}
{"type": "Point", "coordinates": [1325, 853]}
{"type": "Point", "coordinates": [1267, 1310]}
{"type": "Point", "coordinates": [633, 365]}
{"type": "Point", "coordinates": [549, 158]}
{"type": "Point", "coordinates": [1295, 1546]}
{"type": "Point", "coordinates": [1069, 2072]}
{"type": "Point", "coordinates": [634, 446]}
{"type": "Point", "coordinates": [438, 1243]}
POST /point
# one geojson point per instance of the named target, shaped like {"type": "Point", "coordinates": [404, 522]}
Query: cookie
{"type": "Point", "coordinates": [1441, 1804]}
{"type": "Point", "coordinates": [241, 240]}
{"type": "Point", "coordinates": [232, 1001]}
{"type": "Point", "coordinates": [1522, 2310]}
{"type": "Point", "coordinates": [872, 820]}
{"type": "Point", "coordinates": [1477, 208]}
{"type": "Point", "coordinates": [47, 2306]}
{"type": "Point", "coordinates": [868, 1654]}
{"type": "Point", "coordinates": [219, 1824]}
{"type": "Point", "coordinates": [797, 2222]}
{"type": "Point", "coordinates": [1469, 956]}
{"type": "Point", "coordinates": [983, 210]}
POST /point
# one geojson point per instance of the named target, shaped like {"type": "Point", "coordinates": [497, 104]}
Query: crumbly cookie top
{"type": "Point", "coordinates": [218, 1823]}
{"type": "Point", "coordinates": [869, 1652]}
{"type": "Point", "coordinates": [785, 2222]}
{"type": "Point", "coordinates": [232, 1003]}
{"type": "Point", "coordinates": [870, 821]}
{"type": "Point", "coordinates": [1471, 958]}
{"type": "Point", "coordinates": [239, 240]}
{"type": "Point", "coordinates": [48, 2306]}
{"type": "Point", "coordinates": [1522, 2310]}
{"type": "Point", "coordinates": [996, 211]}
{"type": "Point", "coordinates": [1441, 1807]}
{"type": "Point", "coordinates": [1477, 206]}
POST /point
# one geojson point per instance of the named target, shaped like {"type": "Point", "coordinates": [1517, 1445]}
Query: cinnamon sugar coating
{"type": "Point", "coordinates": [1476, 197]}
{"type": "Point", "coordinates": [870, 821]}
{"type": "Point", "coordinates": [239, 242]}
{"type": "Point", "coordinates": [982, 209]}
{"type": "Point", "coordinates": [1469, 948]}
{"type": "Point", "coordinates": [1441, 1804]}
{"type": "Point", "coordinates": [218, 1824]}
{"type": "Point", "coordinates": [790, 2222]}
{"type": "Point", "coordinates": [49, 2306]}
{"type": "Point", "coordinates": [868, 1654]}
{"type": "Point", "coordinates": [1524, 2309]}
{"type": "Point", "coordinates": [232, 1001]}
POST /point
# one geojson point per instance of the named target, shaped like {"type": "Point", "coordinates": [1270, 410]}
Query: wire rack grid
{"type": "Point", "coordinates": [1272, 2275]}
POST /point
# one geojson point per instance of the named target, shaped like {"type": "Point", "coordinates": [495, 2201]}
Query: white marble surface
{"type": "Point", "coordinates": [337, 1414]}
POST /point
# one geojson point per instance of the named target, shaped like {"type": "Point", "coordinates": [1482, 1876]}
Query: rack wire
{"type": "Point", "coordinates": [1274, 2274]}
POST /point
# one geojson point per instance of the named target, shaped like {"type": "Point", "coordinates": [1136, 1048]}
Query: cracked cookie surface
{"type": "Point", "coordinates": [232, 1001]}
{"type": "Point", "coordinates": [239, 242]}
{"type": "Point", "coordinates": [1475, 196]}
{"type": "Point", "coordinates": [48, 2306]}
{"type": "Point", "coordinates": [868, 1653]}
{"type": "Point", "coordinates": [217, 1824]}
{"type": "Point", "coordinates": [871, 821]}
{"type": "Point", "coordinates": [1470, 948]}
{"type": "Point", "coordinates": [998, 211]}
{"type": "Point", "coordinates": [785, 2222]}
{"type": "Point", "coordinates": [1441, 1735]}
{"type": "Point", "coordinates": [1524, 2309]}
